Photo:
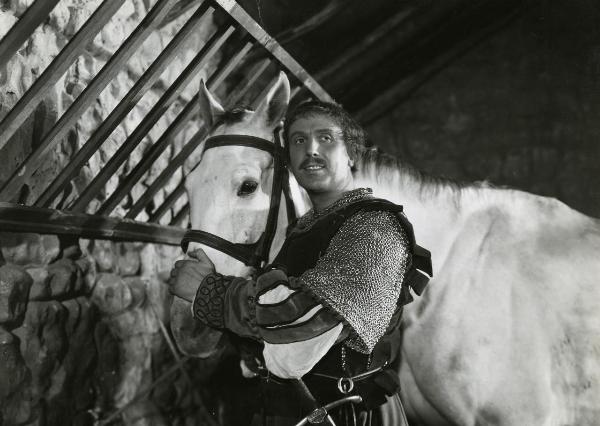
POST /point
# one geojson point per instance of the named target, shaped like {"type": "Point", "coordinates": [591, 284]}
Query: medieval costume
{"type": "Point", "coordinates": [327, 311]}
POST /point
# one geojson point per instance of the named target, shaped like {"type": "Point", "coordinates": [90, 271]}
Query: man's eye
{"type": "Point", "coordinates": [299, 141]}
{"type": "Point", "coordinates": [326, 138]}
{"type": "Point", "coordinates": [247, 188]}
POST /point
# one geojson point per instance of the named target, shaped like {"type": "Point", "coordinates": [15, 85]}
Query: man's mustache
{"type": "Point", "coordinates": [313, 162]}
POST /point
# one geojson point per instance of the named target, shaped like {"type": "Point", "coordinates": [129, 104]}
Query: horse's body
{"type": "Point", "coordinates": [508, 331]}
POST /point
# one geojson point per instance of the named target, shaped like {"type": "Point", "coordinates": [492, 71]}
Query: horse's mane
{"type": "Point", "coordinates": [378, 166]}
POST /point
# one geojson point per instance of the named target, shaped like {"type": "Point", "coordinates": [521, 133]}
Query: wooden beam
{"type": "Point", "coordinates": [24, 28]}
{"type": "Point", "coordinates": [371, 41]}
{"type": "Point", "coordinates": [86, 98]}
{"type": "Point", "coordinates": [274, 48]}
{"type": "Point", "coordinates": [140, 132]}
{"type": "Point", "coordinates": [129, 101]}
{"type": "Point", "coordinates": [167, 203]}
{"type": "Point", "coordinates": [251, 77]}
{"type": "Point", "coordinates": [174, 164]}
{"type": "Point", "coordinates": [59, 65]}
{"type": "Point", "coordinates": [443, 57]}
{"type": "Point", "coordinates": [150, 156]}
{"type": "Point", "coordinates": [180, 216]}
{"type": "Point", "coordinates": [19, 218]}
{"type": "Point", "coordinates": [351, 69]}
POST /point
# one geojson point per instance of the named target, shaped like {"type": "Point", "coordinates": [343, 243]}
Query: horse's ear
{"type": "Point", "coordinates": [210, 108]}
{"type": "Point", "coordinates": [273, 107]}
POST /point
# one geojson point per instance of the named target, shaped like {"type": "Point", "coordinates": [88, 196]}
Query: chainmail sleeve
{"type": "Point", "coordinates": [360, 275]}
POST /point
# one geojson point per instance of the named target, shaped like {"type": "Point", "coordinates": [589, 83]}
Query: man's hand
{"type": "Point", "coordinates": [187, 275]}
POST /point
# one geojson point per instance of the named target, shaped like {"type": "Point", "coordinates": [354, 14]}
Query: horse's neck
{"type": "Point", "coordinates": [436, 212]}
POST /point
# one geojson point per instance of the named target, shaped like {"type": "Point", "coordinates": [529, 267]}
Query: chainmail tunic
{"type": "Point", "coordinates": [360, 274]}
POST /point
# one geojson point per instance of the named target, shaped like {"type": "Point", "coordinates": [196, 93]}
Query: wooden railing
{"type": "Point", "coordinates": [239, 33]}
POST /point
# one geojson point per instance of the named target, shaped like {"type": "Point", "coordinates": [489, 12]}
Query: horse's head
{"type": "Point", "coordinates": [229, 191]}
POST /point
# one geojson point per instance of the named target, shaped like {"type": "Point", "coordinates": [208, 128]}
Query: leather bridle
{"type": "Point", "coordinates": [257, 253]}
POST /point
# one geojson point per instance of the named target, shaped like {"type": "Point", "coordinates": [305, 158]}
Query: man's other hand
{"type": "Point", "coordinates": [187, 275]}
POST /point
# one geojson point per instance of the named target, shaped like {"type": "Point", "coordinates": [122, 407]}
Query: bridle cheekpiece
{"type": "Point", "coordinates": [254, 254]}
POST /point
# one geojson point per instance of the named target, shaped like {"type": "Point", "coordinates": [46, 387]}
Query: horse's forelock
{"type": "Point", "coordinates": [234, 115]}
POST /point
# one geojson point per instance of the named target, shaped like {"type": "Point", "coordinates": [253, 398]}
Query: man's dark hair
{"type": "Point", "coordinates": [354, 135]}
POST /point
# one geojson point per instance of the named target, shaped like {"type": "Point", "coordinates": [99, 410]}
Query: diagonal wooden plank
{"type": "Point", "coordinates": [441, 52]}
{"type": "Point", "coordinates": [24, 28]}
{"type": "Point", "coordinates": [167, 203]}
{"type": "Point", "coordinates": [274, 48]}
{"type": "Point", "coordinates": [253, 75]}
{"type": "Point", "coordinates": [87, 97]}
{"type": "Point", "coordinates": [166, 174]}
{"type": "Point", "coordinates": [232, 62]}
{"type": "Point", "coordinates": [213, 83]}
{"type": "Point", "coordinates": [140, 132]}
{"type": "Point", "coordinates": [158, 147]}
{"type": "Point", "coordinates": [59, 65]}
{"type": "Point", "coordinates": [180, 216]}
{"type": "Point", "coordinates": [149, 157]}
{"type": "Point", "coordinates": [366, 45]}
{"type": "Point", "coordinates": [132, 97]}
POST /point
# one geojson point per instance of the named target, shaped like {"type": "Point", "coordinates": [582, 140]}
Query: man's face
{"type": "Point", "coordinates": [318, 156]}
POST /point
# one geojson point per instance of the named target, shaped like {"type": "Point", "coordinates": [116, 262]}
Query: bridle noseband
{"type": "Point", "coordinates": [254, 254]}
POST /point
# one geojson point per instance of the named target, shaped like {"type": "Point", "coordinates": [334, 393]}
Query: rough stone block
{"type": "Point", "coordinates": [16, 403]}
{"type": "Point", "coordinates": [104, 255]}
{"type": "Point", "coordinates": [40, 289]}
{"type": "Point", "coordinates": [112, 295]}
{"type": "Point", "coordinates": [65, 278]}
{"type": "Point", "coordinates": [159, 260]}
{"type": "Point", "coordinates": [14, 292]}
{"type": "Point", "coordinates": [29, 249]}
{"type": "Point", "coordinates": [76, 395]}
{"type": "Point", "coordinates": [108, 370]}
{"type": "Point", "coordinates": [44, 344]}
{"type": "Point", "coordinates": [128, 260]}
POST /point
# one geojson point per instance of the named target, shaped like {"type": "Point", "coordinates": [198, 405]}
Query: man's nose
{"type": "Point", "coordinates": [312, 148]}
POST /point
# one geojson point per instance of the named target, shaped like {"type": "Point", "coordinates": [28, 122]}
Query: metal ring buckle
{"type": "Point", "coordinates": [345, 385]}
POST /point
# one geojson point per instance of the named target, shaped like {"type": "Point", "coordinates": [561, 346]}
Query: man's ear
{"type": "Point", "coordinates": [273, 107]}
{"type": "Point", "coordinates": [210, 108]}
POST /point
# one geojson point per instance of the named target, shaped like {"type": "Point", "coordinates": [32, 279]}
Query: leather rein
{"type": "Point", "coordinates": [254, 254]}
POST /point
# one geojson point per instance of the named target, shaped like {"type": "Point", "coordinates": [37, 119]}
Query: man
{"type": "Point", "coordinates": [328, 309]}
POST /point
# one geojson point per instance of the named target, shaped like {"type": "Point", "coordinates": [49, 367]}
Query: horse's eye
{"type": "Point", "coordinates": [247, 188]}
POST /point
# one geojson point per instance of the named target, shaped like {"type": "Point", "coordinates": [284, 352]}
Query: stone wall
{"type": "Point", "coordinates": [82, 323]}
{"type": "Point", "coordinates": [81, 337]}
{"type": "Point", "coordinates": [521, 109]}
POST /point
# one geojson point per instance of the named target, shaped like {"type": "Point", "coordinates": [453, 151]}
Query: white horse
{"type": "Point", "coordinates": [508, 330]}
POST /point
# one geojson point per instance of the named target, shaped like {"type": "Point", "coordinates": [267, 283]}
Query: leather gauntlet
{"type": "Point", "coordinates": [209, 304]}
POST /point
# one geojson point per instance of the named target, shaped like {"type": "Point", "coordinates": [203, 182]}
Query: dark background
{"type": "Point", "coordinates": [504, 91]}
